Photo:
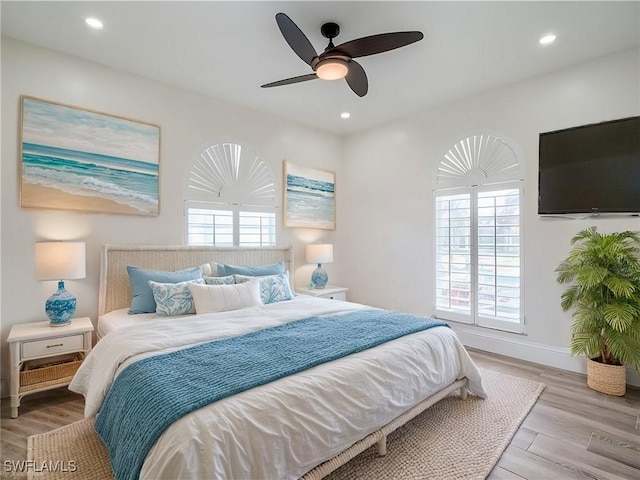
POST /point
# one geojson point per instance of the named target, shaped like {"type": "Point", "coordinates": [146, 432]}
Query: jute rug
{"type": "Point", "coordinates": [454, 439]}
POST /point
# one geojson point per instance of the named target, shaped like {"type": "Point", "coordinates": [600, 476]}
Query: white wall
{"type": "Point", "coordinates": [390, 172]}
{"type": "Point", "coordinates": [189, 124]}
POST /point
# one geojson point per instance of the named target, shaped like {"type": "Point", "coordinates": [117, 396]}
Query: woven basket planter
{"type": "Point", "coordinates": [609, 379]}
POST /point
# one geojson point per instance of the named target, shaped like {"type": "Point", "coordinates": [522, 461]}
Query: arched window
{"type": "Point", "coordinates": [478, 234]}
{"type": "Point", "coordinates": [231, 199]}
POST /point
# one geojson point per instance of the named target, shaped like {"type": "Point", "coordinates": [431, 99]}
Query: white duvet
{"type": "Point", "coordinates": [285, 428]}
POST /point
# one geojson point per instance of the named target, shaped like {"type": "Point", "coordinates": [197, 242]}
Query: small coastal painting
{"type": "Point", "coordinates": [76, 159]}
{"type": "Point", "coordinates": [309, 198]}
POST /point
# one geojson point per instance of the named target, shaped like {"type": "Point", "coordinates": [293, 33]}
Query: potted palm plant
{"type": "Point", "coordinates": [603, 274]}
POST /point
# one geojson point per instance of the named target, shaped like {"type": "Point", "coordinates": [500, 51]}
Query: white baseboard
{"type": "Point", "coordinates": [517, 347]}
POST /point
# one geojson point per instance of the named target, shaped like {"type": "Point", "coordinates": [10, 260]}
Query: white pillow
{"type": "Point", "coordinates": [222, 298]}
{"type": "Point", "coordinates": [173, 298]}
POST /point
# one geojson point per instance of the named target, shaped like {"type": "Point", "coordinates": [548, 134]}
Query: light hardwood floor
{"type": "Point", "coordinates": [572, 432]}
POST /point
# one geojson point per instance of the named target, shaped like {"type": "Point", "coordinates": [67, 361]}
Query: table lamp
{"type": "Point", "coordinates": [319, 253]}
{"type": "Point", "coordinates": [60, 261]}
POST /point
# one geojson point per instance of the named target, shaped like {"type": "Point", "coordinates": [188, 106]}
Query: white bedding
{"type": "Point", "coordinates": [287, 427]}
{"type": "Point", "coordinates": [120, 319]}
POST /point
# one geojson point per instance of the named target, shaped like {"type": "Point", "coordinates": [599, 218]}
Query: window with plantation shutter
{"type": "Point", "coordinates": [232, 199]}
{"type": "Point", "coordinates": [478, 236]}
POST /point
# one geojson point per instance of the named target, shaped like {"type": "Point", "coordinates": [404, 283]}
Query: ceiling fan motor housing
{"type": "Point", "coordinates": [330, 30]}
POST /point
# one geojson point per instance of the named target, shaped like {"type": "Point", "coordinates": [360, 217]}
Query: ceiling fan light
{"type": "Point", "coordinates": [332, 69]}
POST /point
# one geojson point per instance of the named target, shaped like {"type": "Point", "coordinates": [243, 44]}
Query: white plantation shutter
{"type": "Point", "coordinates": [208, 226]}
{"type": "Point", "coordinates": [499, 257]}
{"type": "Point", "coordinates": [256, 229]}
{"type": "Point", "coordinates": [453, 255]}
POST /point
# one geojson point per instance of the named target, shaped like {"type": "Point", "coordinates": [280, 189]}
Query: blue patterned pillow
{"type": "Point", "coordinates": [173, 298]}
{"type": "Point", "coordinates": [228, 280]}
{"type": "Point", "coordinates": [273, 288]}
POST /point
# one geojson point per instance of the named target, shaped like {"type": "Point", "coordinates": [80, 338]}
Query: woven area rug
{"type": "Point", "coordinates": [454, 439]}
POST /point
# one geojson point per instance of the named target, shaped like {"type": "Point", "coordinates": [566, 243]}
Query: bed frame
{"type": "Point", "coordinates": [115, 293]}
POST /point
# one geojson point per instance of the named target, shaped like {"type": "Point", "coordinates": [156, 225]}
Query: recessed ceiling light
{"type": "Point", "coordinates": [345, 115]}
{"type": "Point", "coordinates": [93, 22]}
{"type": "Point", "coordinates": [548, 39]}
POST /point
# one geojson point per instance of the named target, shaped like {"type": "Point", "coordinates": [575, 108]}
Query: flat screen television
{"type": "Point", "coordinates": [590, 169]}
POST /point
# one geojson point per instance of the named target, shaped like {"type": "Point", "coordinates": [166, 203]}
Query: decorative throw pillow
{"type": "Point", "coordinates": [141, 295]}
{"type": "Point", "coordinates": [209, 269]}
{"type": "Point", "coordinates": [222, 298]}
{"type": "Point", "coordinates": [173, 298]}
{"type": "Point", "coordinates": [273, 288]}
{"type": "Point", "coordinates": [228, 280]}
{"type": "Point", "coordinates": [254, 271]}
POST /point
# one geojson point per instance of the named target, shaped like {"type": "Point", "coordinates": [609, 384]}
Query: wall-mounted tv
{"type": "Point", "coordinates": [590, 169]}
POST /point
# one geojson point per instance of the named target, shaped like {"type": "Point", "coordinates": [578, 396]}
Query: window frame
{"type": "Point", "coordinates": [474, 317]}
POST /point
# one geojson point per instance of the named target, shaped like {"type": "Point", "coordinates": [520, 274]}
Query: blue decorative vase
{"type": "Point", "coordinates": [60, 306]}
{"type": "Point", "coordinates": [319, 277]}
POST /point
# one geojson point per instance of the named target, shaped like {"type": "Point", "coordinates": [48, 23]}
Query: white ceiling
{"type": "Point", "coordinates": [228, 49]}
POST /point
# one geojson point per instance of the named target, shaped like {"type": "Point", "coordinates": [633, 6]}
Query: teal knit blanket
{"type": "Point", "coordinates": [152, 393]}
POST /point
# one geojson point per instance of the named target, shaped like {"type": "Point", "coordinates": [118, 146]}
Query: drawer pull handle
{"type": "Point", "coordinates": [56, 345]}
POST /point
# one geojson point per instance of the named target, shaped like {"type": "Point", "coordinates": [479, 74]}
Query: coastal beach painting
{"type": "Point", "coordinates": [81, 160]}
{"type": "Point", "coordinates": [309, 199]}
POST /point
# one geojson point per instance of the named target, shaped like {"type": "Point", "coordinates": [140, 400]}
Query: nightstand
{"type": "Point", "coordinates": [330, 291]}
{"type": "Point", "coordinates": [45, 357]}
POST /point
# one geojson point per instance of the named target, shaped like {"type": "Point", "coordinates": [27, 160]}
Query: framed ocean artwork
{"type": "Point", "coordinates": [82, 160]}
{"type": "Point", "coordinates": [309, 197]}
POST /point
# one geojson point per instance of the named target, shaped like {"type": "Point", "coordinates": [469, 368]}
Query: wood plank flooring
{"type": "Point", "coordinates": [572, 432]}
{"type": "Point", "coordinates": [553, 441]}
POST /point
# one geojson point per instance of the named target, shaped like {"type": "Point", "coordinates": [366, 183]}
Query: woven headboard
{"type": "Point", "coordinates": [115, 289]}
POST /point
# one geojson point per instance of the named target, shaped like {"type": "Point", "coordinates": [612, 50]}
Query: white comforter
{"type": "Point", "coordinates": [285, 428]}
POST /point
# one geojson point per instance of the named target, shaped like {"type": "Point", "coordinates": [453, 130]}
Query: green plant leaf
{"type": "Point", "coordinates": [625, 349]}
{"type": "Point", "coordinates": [585, 344]}
{"type": "Point", "coordinates": [620, 287]}
{"type": "Point", "coordinates": [591, 277]}
{"type": "Point", "coordinates": [570, 297]}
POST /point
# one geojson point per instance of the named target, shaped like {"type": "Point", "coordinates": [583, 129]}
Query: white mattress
{"type": "Point", "coordinates": [287, 427]}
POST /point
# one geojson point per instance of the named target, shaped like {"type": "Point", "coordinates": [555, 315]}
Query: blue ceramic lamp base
{"type": "Point", "coordinates": [60, 307]}
{"type": "Point", "coordinates": [319, 277]}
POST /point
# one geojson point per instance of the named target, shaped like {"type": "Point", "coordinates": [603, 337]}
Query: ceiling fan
{"type": "Point", "coordinates": [338, 62]}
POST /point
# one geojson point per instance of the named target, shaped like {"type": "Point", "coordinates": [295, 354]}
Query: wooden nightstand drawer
{"type": "Point", "coordinates": [52, 346]}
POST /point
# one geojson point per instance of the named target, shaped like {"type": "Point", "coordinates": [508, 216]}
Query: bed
{"type": "Point", "coordinates": [303, 425]}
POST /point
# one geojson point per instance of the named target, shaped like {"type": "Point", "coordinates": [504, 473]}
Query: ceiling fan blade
{"type": "Point", "coordinates": [357, 79]}
{"type": "Point", "coordinates": [289, 81]}
{"type": "Point", "coordinates": [297, 40]}
{"type": "Point", "coordinates": [361, 47]}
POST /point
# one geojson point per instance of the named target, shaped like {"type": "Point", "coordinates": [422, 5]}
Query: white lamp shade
{"type": "Point", "coordinates": [320, 253]}
{"type": "Point", "coordinates": [60, 260]}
